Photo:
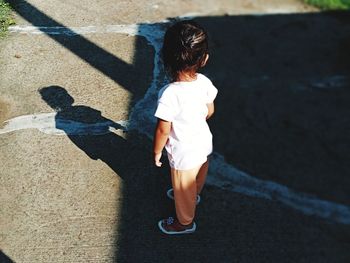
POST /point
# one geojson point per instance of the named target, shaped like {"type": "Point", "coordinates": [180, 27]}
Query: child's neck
{"type": "Point", "coordinates": [186, 76]}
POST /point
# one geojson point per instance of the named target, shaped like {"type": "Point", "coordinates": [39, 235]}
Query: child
{"type": "Point", "coordinates": [184, 105]}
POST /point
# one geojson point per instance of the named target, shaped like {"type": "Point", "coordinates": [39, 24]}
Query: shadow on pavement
{"type": "Point", "coordinates": [282, 115]}
{"type": "Point", "coordinates": [283, 106]}
{"type": "Point", "coordinates": [104, 61]}
{"type": "Point", "coordinates": [4, 258]}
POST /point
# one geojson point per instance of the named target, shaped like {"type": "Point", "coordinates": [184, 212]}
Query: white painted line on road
{"type": "Point", "coordinates": [49, 124]}
{"type": "Point", "coordinates": [228, 177]}
{"type": "Point", "coordinates": [221, 173]}
{"type": "Point", "coordinates": [133, 29]}
{"type": "Point", "coordinates": [72, 30]}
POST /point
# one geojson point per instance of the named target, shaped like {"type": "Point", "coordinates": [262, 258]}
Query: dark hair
{"type": "Point", "coordinates": [185, 48]}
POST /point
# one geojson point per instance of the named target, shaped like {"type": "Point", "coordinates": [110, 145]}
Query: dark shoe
{"type": "Point", "coordinates": [172, 226]}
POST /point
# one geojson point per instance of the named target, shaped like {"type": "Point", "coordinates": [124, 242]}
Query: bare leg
{"type": "Point", "coordinates": [185, 194]}
{"type": "Point", "coordinates": [202, 175]}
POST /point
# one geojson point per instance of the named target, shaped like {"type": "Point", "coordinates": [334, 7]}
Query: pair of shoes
{"type": "Point", "coordinates": [172, 226]}
{"type": "Point", "coordinates": [170, 194]}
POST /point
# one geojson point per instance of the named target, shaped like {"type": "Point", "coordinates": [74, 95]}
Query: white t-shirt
{"type": "Point", "coordinates": [184, 104]}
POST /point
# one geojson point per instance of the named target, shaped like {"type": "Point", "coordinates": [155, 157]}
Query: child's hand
{"type": "Point", "coordinates": [157, 157]}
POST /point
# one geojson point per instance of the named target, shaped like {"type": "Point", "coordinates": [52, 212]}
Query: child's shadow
{"type": "Point", "coordinates": [130, 158]}
{"type": "Point", "coordinates": [82, 124]}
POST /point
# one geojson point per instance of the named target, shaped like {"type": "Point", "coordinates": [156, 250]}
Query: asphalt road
{"type": "Point", "coordinates": [78, 87]}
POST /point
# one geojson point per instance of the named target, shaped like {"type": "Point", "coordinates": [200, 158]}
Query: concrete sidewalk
{"type": "Point", "coordinates": [79, 185]}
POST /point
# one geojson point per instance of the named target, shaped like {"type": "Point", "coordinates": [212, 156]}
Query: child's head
{"type": "Point", "coordinates": [185, 48]}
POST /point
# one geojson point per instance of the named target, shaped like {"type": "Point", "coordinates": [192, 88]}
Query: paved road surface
{"type": "Point", "coordinates": [78, 86]}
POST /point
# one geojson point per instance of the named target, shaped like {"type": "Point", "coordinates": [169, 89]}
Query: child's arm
{"type": "Point", "coordinates": [160, 138]}
{"type": "Point", "coordinates": [211, 109]}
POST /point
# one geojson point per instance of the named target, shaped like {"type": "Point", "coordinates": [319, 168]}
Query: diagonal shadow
{"type": "Point", "coordinates": [102, 60]}
{"type": "Point", "coordinates": [4, 258]}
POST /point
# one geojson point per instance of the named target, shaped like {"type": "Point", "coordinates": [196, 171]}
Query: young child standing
{"type": "Point", "coordinates": [184, 105]}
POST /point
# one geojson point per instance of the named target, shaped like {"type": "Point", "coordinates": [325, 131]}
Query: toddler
{"type": "Point", "coordinates": [184, 105]}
